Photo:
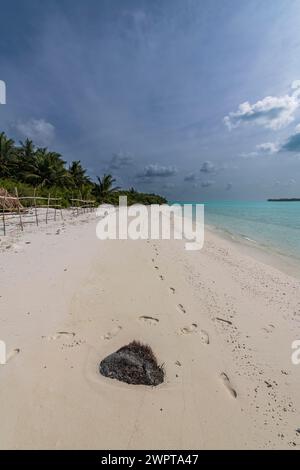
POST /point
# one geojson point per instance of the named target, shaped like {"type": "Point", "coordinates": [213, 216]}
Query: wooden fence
{"type": "Point", "coordinates": [82, 206]}
{"type": "Point", "coordinates": [40, 209]}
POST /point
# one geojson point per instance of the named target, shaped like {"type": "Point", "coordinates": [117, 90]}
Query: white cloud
{"type": "Point", "coordinates": [249, 154]}
{"type": "Point", "coordinates": [271, 112]}
{"type": "Point", "coordinates": [40, 131]}
{"type": "Point", "coordinates": [268, 148]}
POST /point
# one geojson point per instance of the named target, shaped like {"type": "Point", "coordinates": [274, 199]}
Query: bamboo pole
{"type": "Point", "coordinates": [35, 209]}
{"type": "Point", "coordinates": [19, 212]}
{"type": "Point", "coordinates": [55, 213]}
{"type": "Point", "coordinates": [3, 216]}
{"type": "Point", "coordinates": [47, 208]}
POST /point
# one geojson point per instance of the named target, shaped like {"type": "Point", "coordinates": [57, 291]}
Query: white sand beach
{"type": "Point", "coordinates": [220, 321]}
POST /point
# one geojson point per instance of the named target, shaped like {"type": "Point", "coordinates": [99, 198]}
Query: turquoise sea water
{"type": "Point", "coordinates": [274, 226]}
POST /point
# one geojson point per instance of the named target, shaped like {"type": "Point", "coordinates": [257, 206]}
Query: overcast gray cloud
{"type": "Point", "coordinates": [293, 142]}
{"type": "Point", "coordinates": [157, 171]}
{"type": "Point", "coordinates": [208, 167]}
{"type": "Point", "coordinates": [38, 130]}
{"type": "Point", "coordinates": [207, 184]}
{"type": "Point", "coordinates": [120, 160]}
{"type": "Point", "coordinates": [191, 177]}
{"type": "Point", "coordinates": [88, 79]}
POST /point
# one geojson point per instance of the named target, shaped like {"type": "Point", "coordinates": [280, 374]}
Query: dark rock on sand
{"type": "Point", "coordinates": [134, 364]}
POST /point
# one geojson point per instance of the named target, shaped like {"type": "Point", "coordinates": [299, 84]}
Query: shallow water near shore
{"type": "Point", "coordinates": [269, 229]}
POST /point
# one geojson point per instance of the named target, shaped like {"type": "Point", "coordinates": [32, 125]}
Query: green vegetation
{"type": "Point", "coordinates": [30, 168]}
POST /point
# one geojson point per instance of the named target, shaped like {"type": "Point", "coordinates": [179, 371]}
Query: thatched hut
{"type": "Point", "coordinates": [8, 202]}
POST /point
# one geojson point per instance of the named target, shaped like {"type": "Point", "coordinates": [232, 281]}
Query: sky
{"type": "Point", "coordinates": [193, 99]}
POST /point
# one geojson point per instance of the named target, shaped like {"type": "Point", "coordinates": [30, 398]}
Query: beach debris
{"type": "Point", "coordinates": [134, 364]}
{"type": "Point", "coordinates": [12, 354]}
{"type": "Point", "coordinates": [268, 384]}
{"type": "Point", "coordinates": [59, 335]}
{"type": "Point", "coordinates": [223, 320]}
{"type": "Point", "coordinates": [9, 203]}
{"type": "Point", "coordinates": [149, 320]}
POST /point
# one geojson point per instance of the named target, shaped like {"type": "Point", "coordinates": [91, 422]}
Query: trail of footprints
{"type": "Point", "coordinates": [190, 330]}
{"type": "Point", "coordinates": [193, 328]}
{"type": "Point", "coordinates": [149, 321]}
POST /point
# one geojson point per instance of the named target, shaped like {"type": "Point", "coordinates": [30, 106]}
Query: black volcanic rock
{"type": "Point", "coordinates": [134, 364]}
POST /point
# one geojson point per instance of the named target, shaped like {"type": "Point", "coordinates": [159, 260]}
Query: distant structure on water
{"type": "Point", "coordinates": [293, 199]}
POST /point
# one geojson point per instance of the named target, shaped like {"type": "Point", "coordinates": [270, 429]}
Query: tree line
{"type": "Point", "coordinates": [29, 167]}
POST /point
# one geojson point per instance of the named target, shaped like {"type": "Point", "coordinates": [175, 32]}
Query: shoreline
{"type": "Point", "coordinates": [256, 250]}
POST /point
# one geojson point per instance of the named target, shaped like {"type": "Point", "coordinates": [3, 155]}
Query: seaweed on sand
{"type": "Point", "coordinates": [134, 364]}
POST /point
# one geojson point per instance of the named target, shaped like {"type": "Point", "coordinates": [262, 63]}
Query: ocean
{"type": "Point", "coordinates": [273, 226]}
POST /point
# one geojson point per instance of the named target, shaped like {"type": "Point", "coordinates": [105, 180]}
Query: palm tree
{"type": "Point", "coordinates": [78, 174]}
{"type": "Point", "coordinates": [7, 156]}
{"type": "Point", "coordinates": [105, 187]}
{"type": "Point", "coordinates": [46, 169]}
{"type": "Point", "coordinates": [27, 150]}
{"type": "Point", "coordinates": [26, 155]}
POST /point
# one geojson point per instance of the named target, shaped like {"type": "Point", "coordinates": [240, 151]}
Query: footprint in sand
{"type": "Point", "coordinates": [162, 277]}
{"type": "Point", "coordinates": [187, 330]}
{"type": "Point", "coordinates": [112, 333]}
{"type": "Point", "coordinates": [269, 328]}
{"type": "Point", "coordinates": [204, 337]}
{"type": "Point", "coordinates": [59, 335]}
{"type": "Point", "coordinates": [149, 320]}
{"type": "Point", "coordinates": [172, 290]}
{"type": "Point", "coordinates": [12, 354]}
{"type": "Point", "coordinates": [193, 328]}
{"type": "Point", "coordinates": [225, 379]}
{"type": "Point", "coordinates": [181, 308]}
{"type": "Point", "coordinates": [156, 267]}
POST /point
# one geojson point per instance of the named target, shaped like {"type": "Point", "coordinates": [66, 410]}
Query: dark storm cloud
{"type": "Point", "coordinates": [120, 160]}
{"type": "Point", "coordinates": [208, 167]}
{"type": "Point", "coordinates": [157, 171]}
{"type": "Point", "coordinates": [293, 143]}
